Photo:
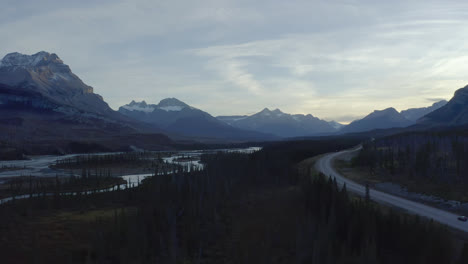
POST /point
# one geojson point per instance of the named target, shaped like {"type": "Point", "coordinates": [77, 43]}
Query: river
{"type": "Point", "coordinates": [39, 166]}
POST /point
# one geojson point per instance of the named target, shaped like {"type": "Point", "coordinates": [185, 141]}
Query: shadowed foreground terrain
{"type": "Point", "coordinates": [257, 208]}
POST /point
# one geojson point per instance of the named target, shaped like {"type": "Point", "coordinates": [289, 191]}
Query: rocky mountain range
{"type": "Point", "coordinates": [379, 119]}
{"type": "Point", "coordinates": [45, 107]}
{"type": "Point", "coordinates": [390, 118]}
{"type": "Point", "coordinates": [175, 116]}
{"type": "Point", "coordinates": [44, 104]}
{"type": "Point", "coordinates": [287, 125]}
{"type": "Point", "coordinates": [46, 74]}
{"type": "Point", "coordinates": [282, 124]}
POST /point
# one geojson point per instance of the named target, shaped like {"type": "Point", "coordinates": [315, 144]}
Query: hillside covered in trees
{"type": "Point", "coordinates": [438, 158]}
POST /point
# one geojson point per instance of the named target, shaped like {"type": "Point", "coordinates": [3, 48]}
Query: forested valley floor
{"type": "Point", "coordinates": [241, 208]}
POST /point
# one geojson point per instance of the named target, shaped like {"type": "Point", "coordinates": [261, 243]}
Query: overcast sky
{"type": "Point", "coordinates": [333, 59]}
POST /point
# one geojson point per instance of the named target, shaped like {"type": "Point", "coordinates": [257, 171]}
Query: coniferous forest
{"type": "Point", "coordinates": [241, 208]}
{"type": "Point", "coordinates": [435, 162]}
{"type": "Point", "coordinates": [439, 156]}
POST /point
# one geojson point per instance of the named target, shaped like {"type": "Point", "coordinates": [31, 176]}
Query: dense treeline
{"type": "Point", "coordinates": [342, 230]}
{"type": "Point", "coordinates": [295, 151]}
{"type": "Point", "coordinates": [440, 157]}
{"type": "Point", "coordinates": [98, 161]}
{"type": "Point", "coordinates": [192, 217]}
{"type": "Point", "coordinates": [8, 152]}
{"type": "Point", "coordinates": [37, 186]}
{"type": "Point", "coordinates": [182, 215]}
{"type": "Point", "coordinates": [186, 212]}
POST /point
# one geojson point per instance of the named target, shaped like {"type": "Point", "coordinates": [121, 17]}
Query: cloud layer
{"type": "Point", "coordinates": [333, 59]}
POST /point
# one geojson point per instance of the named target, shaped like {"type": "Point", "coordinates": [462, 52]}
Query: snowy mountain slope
{"type": "Point", "coordinates": [46, 73]}
{"type": "Point", "coordinates": [49, 103]}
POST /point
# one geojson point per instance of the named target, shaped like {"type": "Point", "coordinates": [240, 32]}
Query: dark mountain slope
{"type": "Point", "coordinates": [383, 119]}
{"type": "Point", "coordinates": [454, 113]}
{"type": "Point", "coordinates": [178, 117]}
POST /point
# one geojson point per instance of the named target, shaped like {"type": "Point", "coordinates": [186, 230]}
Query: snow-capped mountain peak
{"type": "Point", "coordinates": [168, 105]}
{"type": "Point", "coordinates": [172, 104]}
{"type": "Point", "coordinates": [44, 70]}
{"type": "Point", "coordinates": [139, 106]}
{"type": "Point", "coordinates": [45, 73]}
{"type": "Point", "coordinates": [16, 59]}
{"type": "Point", "coordinates": [142, 103]}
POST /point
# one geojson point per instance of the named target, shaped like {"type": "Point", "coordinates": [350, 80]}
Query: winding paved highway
{"type": "Point", "coordinates": [324, 165]}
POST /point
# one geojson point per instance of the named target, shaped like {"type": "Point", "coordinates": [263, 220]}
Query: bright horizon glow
{"type": "Point", "coordinates": [336, 60]}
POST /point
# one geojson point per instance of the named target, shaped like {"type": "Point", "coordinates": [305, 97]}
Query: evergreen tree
{"type": "Point", "coordinates": [367, 192]}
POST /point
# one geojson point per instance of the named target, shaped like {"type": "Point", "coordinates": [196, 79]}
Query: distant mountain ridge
{"type": "Point", "coordinates": [281, 124]}
{"type": "Point", "coordinates": [414, 114]}
{"type": "Point", "coordinates": [379, 119]}
{"type": "Point", "coordinates": [176, 116]}
{"type": "Point", "coordinates": [42, 100]}
{"type": "Point", "coordinates": [162, 114]}
{"type": "Point", "coordinates": [390, 118]}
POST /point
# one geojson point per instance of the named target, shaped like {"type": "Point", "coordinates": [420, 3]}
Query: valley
{"type": "Point", "coordinates": [233, 132]}
{"type": "Point", "coordinates": [171, 183]}
{"type": "Point", "coordinates": [238, 199]}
